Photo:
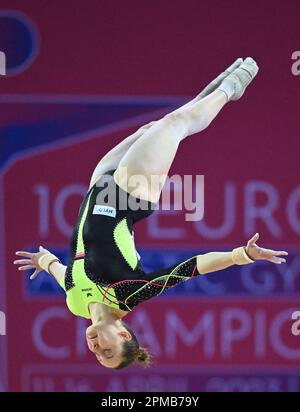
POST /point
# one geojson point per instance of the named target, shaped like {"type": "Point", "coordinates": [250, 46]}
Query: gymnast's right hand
{"type": "Point", "coordinates": [31, 261]}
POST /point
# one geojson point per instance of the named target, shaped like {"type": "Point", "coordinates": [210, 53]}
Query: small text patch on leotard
{"type": "Point", "coordinates": [104, 210]}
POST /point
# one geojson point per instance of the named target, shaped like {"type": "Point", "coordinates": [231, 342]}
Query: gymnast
{"type": "Point", "coordinates": [105, 280]}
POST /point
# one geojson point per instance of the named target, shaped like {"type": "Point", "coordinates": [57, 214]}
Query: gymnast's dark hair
{"type": "Point", "coordinates": [133, 354]}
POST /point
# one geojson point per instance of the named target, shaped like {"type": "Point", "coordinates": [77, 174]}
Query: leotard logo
{"type": "Point", "coordinates": [104, 210]}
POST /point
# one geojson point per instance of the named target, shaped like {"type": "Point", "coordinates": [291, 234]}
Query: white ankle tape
{"type": "Point", "coordinates": [228, 90]}
{"type": "Point", "coordinates": [240, 257]}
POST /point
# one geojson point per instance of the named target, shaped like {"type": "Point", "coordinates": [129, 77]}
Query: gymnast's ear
{"type": "Point", "coordinates": [126, 335]}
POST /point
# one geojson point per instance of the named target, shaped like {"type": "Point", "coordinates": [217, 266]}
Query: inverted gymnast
{"type": "Point", "coordinates": [104, 280]}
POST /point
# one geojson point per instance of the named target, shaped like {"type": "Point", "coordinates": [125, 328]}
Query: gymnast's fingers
{"type": "Point", "coordinates": [34, 275]}
{"type": "Point", "coordinates": [24, 254]}
{"type": "Point", "coordinates": [22, 261]}
{"type": "Point", "coordinates": [280, 253]}
{"type": "Point", "coordinates": [26, 267]}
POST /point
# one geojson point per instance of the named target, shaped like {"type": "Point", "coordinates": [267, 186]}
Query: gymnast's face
{"type": "Point", "coordinates": [105, 341]}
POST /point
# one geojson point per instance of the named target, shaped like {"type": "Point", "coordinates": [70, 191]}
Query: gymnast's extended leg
{"type": "Point", "coordinates": [153, 153]}
{"type": "Point", "coordinates": [112, 159]}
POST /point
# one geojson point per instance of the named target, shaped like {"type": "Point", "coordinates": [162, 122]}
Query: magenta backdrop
{"type": "Point", "coordinates": [100, 69]}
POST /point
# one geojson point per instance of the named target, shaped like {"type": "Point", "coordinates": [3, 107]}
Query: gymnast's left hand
{"type": "Point", "coordinates": [256, 252]}
{"type": "Point", "coordinates": [31, 261]}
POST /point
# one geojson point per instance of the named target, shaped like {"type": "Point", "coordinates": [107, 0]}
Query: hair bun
{"type": "Point", "coordinates": [143, 357]}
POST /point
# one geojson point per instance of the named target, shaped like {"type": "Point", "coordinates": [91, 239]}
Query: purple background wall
{"type": "Point", "coordinates": [80, 78]}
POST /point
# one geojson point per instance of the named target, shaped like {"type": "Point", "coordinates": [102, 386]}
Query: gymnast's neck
{"type": "Point", "coordinates": [102, 313]}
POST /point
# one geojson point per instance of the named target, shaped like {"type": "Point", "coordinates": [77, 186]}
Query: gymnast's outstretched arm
{"type": "Point", "coordinates": [214, 261]}
{"type": "Point", "coordinates": [208, 263]}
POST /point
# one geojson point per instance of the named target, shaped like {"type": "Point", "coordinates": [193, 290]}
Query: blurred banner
{"type": "Point", "coordinates": [81, 78]}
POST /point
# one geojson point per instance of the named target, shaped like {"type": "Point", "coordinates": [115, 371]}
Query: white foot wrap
{"type": "Point", "coordinates": [218, 80]}
{"type": "Point", "coordinates": [236, 83]}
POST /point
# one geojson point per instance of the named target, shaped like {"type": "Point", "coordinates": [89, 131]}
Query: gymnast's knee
{"type": "Point", "coordinates": [179, 122]}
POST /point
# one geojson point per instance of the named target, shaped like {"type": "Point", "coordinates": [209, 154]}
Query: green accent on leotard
{"type": "Point", "coordinates": [85, 291]}
{"type": "Point", "coordinates": [80, 244]}
{"type": "Point", "coordinates": [125, 243]}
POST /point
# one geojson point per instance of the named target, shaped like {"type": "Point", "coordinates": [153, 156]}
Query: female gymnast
{"type": "Point", "coordinates": [104, 280]}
